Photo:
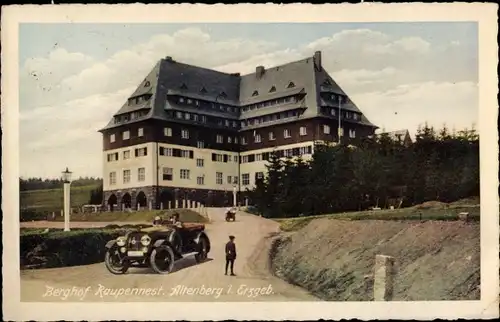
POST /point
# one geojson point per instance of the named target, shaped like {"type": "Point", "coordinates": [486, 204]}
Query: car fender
{"type": "Point", "coordinates": [159, 242]}
{"type": "Point", "coordinates": [110, 243]}
{"type": "Point", "coordinates": [199, 236]}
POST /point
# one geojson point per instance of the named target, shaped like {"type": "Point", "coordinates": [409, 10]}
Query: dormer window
{"type": "Point", "coordinates": [273, 89]}
{"type": "Point", "coordinates": [184, 87]}
{"type": "Point", "coordinates": [203, 90]}
{"type": "Point", "coordinates": [255, 93]}
{"type": "Point", "coordinates": [223, 95]}
{"type": "Point", "coordinates": [291, 85]}
{"type": "Point", "coordinates": [147, 84]}
{"type": "Point", "coordinates": [327, 82]}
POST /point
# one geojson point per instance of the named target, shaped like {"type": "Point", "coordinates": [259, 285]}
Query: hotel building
{"type": "Point", "coordinates": [198, 134]}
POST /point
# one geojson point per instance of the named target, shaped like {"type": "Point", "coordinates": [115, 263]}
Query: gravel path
{"type": "Point", "coordinates": [188, 282]}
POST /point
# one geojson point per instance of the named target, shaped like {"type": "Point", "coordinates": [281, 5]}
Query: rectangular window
{"type": "Point", "coordinates": [195, 117]}
{"type": "Point", "coordinates": [258, 157]}
{"type": "Point", "coordinates": [185, 153]}
{"type": "Point", "coordinates": [113, 157]}
{"type": "Point", "coordinates": [271, 136]}
{"type": "Point", "coordinates": [141, 152]}
{"type": "Point", "coordinates": [326, 129]}
{"type": "Point", "coordinates": [126, 176]}
{"type": "Point", "coordinates": [229, 139]}
{"type": "Point", "coordinates": [178, 115]}
{"type": "Point", "coordinates": [203, 119]}
{"type": "Point", "coordinates": [141, 174]}
{"type": "Point", "coordinates": [286, 133]}
{"type": "Point", "coordinates": [257, 138]}
{"type": "Point", "coordinates": [332, 111]}
{"type": "Point", "coordinates": [244, 159]}
{"type": "Point", "coordinates": [187, 116]}
{"type": "Point", "coordinates": [219, 138]}
{"type": "Point", "coordinates": [167, 131]}
{"type": "Point", "coordinates": [140, 132]}
{"type": "Point", "coordinates": [354, 116]}
{"type": "Point", "coordinates": [236, 140]}
{"type": "Point", "coordinates": [228, 158]}
{"type": "Point", "coordinates": [112, 138]}
{"type": "Point", "coordinates": [185, 134]}
{"type": "Point", "coordinates": [235, 180]}
{"type": "Point", "coordinates": [200, 180]}
{"type": "Point", "coordinates": [112, 178]}
{"type": "Point", "coordinates": [226, 123]}
{"type": "Point", "coordinates": [303, 130]}
{"type": "Point", "coordinates": [229, 179]}
{"type": "Point", "coordinates": [126, 135]}
{"type": "Point", "coordinates": [184, 174]}
{"type": "Point", "coordinates": [352, 133]}
{"type": "Point", "coordinates": [181, 100]}
{"type": "Point", "coordinates": [126, 155]}
{"type": "Point", "coordinates": [219, 158]}
{"type": "Point", "coordinates": [218, 177]}
{"type": "Point", "coordinates": [245, 179]}
{"type": "Point", "coordinates": [200, 163]}
{"type": "Point", "coordinates": [259, 175]}
{"type": "Point", "coordinates": [236, 159]}
{"type": "Point", "coordinates": [168, 174]}
{"type": "Point", "coordinates": [200, 144]}
{"type": "Point", "coordinates": [168, 152]}
{"type": "Point", "coordinates": [243, 141]}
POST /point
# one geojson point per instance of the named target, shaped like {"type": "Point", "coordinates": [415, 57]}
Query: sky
{"type": "Point", "coordinates": [74, 77]}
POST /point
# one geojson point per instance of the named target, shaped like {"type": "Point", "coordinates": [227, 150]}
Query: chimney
{"type": "Point", "coordinates": [168, 58]}
{"type": "Point", "coordinates": [259, 71]}
{"type": "Point", "coordinates": [317, 60]}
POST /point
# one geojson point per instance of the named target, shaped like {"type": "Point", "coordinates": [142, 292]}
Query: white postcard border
{"type": "Point", "coordinates": [484, 14]}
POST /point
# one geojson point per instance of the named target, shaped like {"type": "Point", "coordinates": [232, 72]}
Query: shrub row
{"type": "Point", "coordinates": [61, 249]}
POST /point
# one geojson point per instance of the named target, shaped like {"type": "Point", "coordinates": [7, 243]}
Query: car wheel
{"type": "Point", "coordinates": [114, 263]}
{"type": "Point", "coordinates": [202, 250]}
{"type": "Point", "coordinates": [162, 259]}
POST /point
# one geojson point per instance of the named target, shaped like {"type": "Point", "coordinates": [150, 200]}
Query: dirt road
{"type": "Point", "coordinates": [188, 282]}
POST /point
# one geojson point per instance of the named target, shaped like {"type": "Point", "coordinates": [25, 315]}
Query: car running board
{"type": "Point", "coordinates": [189, 254]}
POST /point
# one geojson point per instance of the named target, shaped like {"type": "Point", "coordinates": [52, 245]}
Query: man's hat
{"type": "Point", "coordinates": [231, 237]}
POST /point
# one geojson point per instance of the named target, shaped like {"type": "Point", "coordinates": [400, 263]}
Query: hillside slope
{"type": "Point", "coordinates": [334, 259]}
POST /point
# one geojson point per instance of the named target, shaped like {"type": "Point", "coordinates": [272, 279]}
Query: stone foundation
{"type": "Point", "coordinates": [167, 198]}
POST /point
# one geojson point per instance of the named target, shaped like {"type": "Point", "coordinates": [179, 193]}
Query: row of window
{"type": "Point", "coordinates": [217, 157]}
{"type": "Point", "coordinates": [344, 114]}
{"type": "Point", "coordinates": [139, 99]}
{"type": "Point", "coordinates": [207, 105]}
{"type": "Point", "coordinates": [269, 118]}
{"type": "Point", "coordinates": [203, 119]}
{"type": "Point", "coordinates": [283, 153]}
{"type": "Point", "coordinates": [273, 89]}
{"type": "Point", "coordinates": [184, 174]}
{"type": "Point", "coordinates": [126, 135]}
{"type": "Point", "coordinates": [130, 116]}
{"type": "Point", "coordinates": [139, 152]}
{"type": "Point", "coordinates": [278, 101]}
{"type": "Point", "coordinates": [141, 176]}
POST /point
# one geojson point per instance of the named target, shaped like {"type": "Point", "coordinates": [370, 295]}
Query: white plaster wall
{"type": "Point", "coordinates": [260, 166]}
{"type": "Point", "coordinates": [132, 164]}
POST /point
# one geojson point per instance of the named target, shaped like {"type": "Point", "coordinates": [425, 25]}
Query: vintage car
{"type": "Point", "coordinates": [158, 247]}
{"type": "Point", "coordinates": [231, 214]}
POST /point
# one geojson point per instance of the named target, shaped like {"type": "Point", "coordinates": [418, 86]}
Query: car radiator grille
{"type": "Point", "coordinates": [134, 241]}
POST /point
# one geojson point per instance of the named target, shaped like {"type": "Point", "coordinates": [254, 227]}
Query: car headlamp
{"type": "Point", "coordinates": [120, 241]}
{"type": "Point", "coordinates": [145, 240]}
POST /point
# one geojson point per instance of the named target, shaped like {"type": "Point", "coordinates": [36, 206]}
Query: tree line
{"type": "Point", "coordinates": [377, 171]}
{"type": "Point", "coordinates": [41, 184]}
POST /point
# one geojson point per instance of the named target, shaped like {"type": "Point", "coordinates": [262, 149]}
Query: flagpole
{"type": "Point", "coordinates": [340, 115]}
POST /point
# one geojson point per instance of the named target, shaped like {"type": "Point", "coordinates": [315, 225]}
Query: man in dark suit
{"type": "Point", "coordinates": [230, 255]}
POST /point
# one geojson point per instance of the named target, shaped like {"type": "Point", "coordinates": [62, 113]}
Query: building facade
{"type": "Point", "coordinates": [195, 134]}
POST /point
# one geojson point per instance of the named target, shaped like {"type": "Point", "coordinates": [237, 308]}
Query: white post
{"type": "Point", "coordinates": [183, 203]}
{"type": "Point", "coordinates": [66, 206]}
{"type": "Point", "coordinates": [123, 207]}
{"type": "Point", "coordinates": [234, 196]}
{"type": "Point", "coordinates": [176, 203]}
{"type": "Point", "coordinates": [150, 205]}
{"type": "Point", "coordinates": [384, 278]}
{"type": "Point", "coordinates": [138, 207]}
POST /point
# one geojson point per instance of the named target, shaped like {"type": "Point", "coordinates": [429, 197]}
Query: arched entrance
{"type": "Point", "coordinates": [167, 200]}
{"type": "Point", "coordinates": [112, 201]}
{"type": "Point", "coordinates": [141, 200]}
{"type": "Point", "coordinates": [127, 200]}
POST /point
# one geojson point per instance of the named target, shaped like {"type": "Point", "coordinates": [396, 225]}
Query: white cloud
{"type": "Point", "coordinates": [408, 106]}
{"type": "Point", "coordinates": [67, 96]}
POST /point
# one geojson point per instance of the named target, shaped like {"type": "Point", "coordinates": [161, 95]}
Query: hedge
{"type": "Point", "coordinates": [61, 249]}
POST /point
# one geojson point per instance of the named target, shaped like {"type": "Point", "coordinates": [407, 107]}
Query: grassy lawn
{"type": "Point", "coordinates": [186, 215]}
{"type": "Point", "coordinates": [51, 200]}
{"type": "Point", "coordinates": [293, 224]}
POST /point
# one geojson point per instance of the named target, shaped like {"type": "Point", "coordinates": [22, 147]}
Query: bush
{"type": "Point", "coordinates": [61, 249]}
{"type": "Point", "coordinates": [29, 215]}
